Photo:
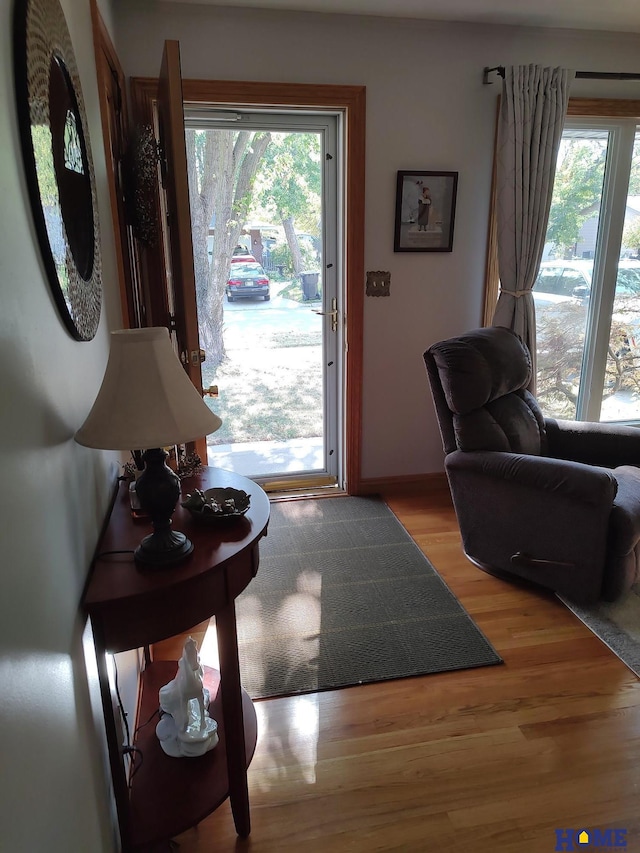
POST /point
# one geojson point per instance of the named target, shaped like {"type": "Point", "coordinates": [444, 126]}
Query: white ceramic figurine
{"type": "Point", "coordinates": [186, 729]}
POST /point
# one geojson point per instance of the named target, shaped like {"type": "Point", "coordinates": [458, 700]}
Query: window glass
{"type": "Point", "coordinates": [621, 392]}
{"type": "Point", "coordinates": [572, 280]}
{"type": "Point", "coordinates": [587, 323]}
{"type": "Point", "coordinates": [561, 316]}
{"type": "Point", "coordinates": [548, 280]}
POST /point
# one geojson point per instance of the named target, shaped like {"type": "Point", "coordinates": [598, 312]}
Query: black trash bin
{"type": "Point", "coordinates": [309, 284]}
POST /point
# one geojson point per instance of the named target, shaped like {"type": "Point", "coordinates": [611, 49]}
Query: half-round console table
{"type": "Point", "coordinates": [132, 607]}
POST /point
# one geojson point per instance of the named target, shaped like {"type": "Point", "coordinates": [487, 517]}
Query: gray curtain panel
{"type": "Point", "coordinates": [532, 111]}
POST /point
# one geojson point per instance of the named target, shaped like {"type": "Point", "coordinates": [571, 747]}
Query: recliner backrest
{"type": "Point", "coordinates": [479, 384]}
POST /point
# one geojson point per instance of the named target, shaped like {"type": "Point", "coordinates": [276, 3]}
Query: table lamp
{"type": "Point", "coordinates": [147, 402]}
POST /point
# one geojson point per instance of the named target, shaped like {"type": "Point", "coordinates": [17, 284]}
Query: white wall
{"type": "Point", "coordinates": [53, 793]}
{"type": "Point", "coordinates": [426, 109]}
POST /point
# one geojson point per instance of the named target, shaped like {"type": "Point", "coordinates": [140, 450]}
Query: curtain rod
{"type": "Point", "coordinates": [586, 75]}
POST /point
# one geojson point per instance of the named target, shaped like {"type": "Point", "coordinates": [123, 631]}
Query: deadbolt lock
{"type": "Point", "coordinates": [197, 356]}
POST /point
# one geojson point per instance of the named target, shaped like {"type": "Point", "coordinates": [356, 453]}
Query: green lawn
{"type": "Point", "coordinates": [270, 390]}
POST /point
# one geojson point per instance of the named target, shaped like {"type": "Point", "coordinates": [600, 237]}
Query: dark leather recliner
{"type": "Point", "coordinates": [549, 501]}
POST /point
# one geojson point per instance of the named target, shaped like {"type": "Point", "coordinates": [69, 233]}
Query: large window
{"type": "Point", "coordinates": [587, 294]}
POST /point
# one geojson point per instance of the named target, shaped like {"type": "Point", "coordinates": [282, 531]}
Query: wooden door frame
{"type": "Point", "coordinates": [350, 101]}
{"type": "Point", "coordinates": [112, 87]}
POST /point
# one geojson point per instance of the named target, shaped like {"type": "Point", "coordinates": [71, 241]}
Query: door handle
{"type": "Point", "coordinates": [333, 314]}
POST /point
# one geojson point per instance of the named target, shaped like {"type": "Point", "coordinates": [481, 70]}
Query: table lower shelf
{"type": "Point", "coordinates": [170, 795]}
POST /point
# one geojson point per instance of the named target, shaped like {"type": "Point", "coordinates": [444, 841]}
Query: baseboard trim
{"type": "Point", "coordinates": [405, 483]}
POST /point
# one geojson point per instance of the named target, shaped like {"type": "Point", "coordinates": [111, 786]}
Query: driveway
{"type": "Point", "coordinates": [251, 319]}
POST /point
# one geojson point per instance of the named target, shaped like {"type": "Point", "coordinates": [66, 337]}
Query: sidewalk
{"type": "Point", "coordinates": [263, 458]}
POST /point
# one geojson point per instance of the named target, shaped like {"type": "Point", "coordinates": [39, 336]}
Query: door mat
{"type": "Point", "coordinates": [344, 596]}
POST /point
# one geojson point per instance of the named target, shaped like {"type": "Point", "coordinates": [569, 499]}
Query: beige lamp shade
{"type": "Point", "coordinates": [146, 399]}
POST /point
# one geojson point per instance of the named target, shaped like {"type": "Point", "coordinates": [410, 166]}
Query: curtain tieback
{"type": "Point", "coordinates": [515, 293]}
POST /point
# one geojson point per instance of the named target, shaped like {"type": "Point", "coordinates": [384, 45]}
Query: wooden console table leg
{"type": "Point", "coordinates": [231, 693]}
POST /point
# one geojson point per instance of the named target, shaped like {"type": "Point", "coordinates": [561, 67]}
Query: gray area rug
{"type": "Point", "coordinates": [344, 596]}
{"type": "Point", "coordinates": [617, 624]}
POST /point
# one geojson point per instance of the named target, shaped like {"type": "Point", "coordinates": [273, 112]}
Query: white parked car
{"type": "Point", "coordinates": [566, 283]}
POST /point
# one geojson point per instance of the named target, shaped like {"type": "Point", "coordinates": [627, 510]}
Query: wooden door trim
{"type": "Point", "coordinates": [351, 102]}
{"type": "Point", "coordinates": [179, 240]}
{"type": "Point", "coordinates": [604, 107]}
{"type": "Point", "coordinates": [109, 72]}
{"type": "Point", "coordinates": [177, 193]}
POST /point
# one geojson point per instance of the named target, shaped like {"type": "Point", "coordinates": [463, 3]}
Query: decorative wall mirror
{"type": "Point", "coordinates": [58, 162]}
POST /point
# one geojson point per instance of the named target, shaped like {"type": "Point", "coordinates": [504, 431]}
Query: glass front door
{"type": "Point", "coordinates": [264, 208]}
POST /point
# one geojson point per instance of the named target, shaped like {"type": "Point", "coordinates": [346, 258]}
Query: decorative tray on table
{"type": "Point", "coordinates": [215, 505]}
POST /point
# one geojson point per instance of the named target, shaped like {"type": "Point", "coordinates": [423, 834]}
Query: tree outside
{"type": "Point", "coordinates": [576, 192]}
{"type": "Point", "coordinates": [289, 188]}
{"type": "Point", "coordinates": [631, 236]}
{"type": "Point", "coordinates": [222, 167]}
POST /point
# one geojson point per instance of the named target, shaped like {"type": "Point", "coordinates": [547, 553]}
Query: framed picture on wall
{"type": "Point", "coordinates": [425, 210]}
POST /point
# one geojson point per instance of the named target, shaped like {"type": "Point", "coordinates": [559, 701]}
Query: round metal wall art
{"type": "Point", "coordinates": [58, 162]}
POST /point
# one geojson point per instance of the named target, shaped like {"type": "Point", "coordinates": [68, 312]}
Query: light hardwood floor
{"type": "Point", "coordinates": [483, 760]}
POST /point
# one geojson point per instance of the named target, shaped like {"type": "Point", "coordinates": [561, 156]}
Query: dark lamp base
{"type": "Point", "coordinates": [158, 489]}
{"type": "Point", "coordinates": [163, 548]}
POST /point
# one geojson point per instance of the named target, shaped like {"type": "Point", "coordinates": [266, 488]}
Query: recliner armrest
{"type": "Point", "coordinates": [607, 445]}
{"type": "Point", "coordinates": [586, 484]}
{"type": "Point", "coordinates": [543, 519]}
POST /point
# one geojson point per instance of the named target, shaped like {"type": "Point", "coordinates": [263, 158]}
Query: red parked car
{"type": "Point", "coordinates": [247, 278]}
